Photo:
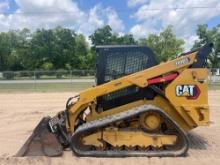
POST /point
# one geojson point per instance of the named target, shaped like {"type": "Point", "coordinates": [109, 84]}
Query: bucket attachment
{"type": "Point", "coordinates": [42, 142]}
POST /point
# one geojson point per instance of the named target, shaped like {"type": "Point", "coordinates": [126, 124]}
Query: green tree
{"type": "Point", "coordinates": [105, 36]}
{"type": "Point", "coordinates": [41, 46]}
{"type": "Point", "coordinates": [21, 51]}
{"type": "Point", "coordinates": [165, 44]}
{"type": "Point", "coordinates": [64, 49]}
{"type": "Point", "coordinates": [55, 47]}
{"type": "Point", "coordinates": [4, 51]}
{"type": "Point", "coordinates": [127, 39]}
{"type": "Point", "coordinates": [82, 52]}
{"type": "Point", "coordinates": [206, 35]}
{"type": "Point", "coordinates": [13, 48]}
{"type": "Point", "coordinates": [102, 36]}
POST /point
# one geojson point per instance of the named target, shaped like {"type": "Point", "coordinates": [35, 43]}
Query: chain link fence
{"type": "Point", "coordinates": [214, 79]}
{"type": "Point", "coordinates": [214, 76]}
{"type": "Point", "coordinates": [43, 75]}
{"type": "Point", "coordinates": [64, 80]}
{"type": "Point", "coordinates": [44, 81]}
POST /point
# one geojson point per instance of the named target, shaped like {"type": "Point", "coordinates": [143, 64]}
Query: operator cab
{"type": "Point", "coordinates": [115, 61]}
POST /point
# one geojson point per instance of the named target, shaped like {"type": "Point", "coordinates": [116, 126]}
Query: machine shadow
{"type": "Point", "coordinates": [197, 142]}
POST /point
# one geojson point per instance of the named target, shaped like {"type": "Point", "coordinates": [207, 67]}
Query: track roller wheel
{"type": "Point", "coordinates": [150, 122]}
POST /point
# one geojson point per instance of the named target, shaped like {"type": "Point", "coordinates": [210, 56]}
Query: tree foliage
{"type": "Point", "coordinates": [54, 47]}
{"type": "Point", "coordinates": [105, 36]}
{"type": "Point", "coordinates": [212, 35]}
{"type": "Point", "coordinates": [14, 48]}
{"type": "Point", "coordinates": [58, 48]}
{"type": "Point", "coordinates": [165, 45]}
{"type": "Point", "coordinates": [62, 48]}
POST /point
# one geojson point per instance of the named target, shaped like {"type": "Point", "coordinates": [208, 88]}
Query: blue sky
{"type": "Point", "coordinates": [138, 17]}
{"type": "Point", "coordinates": [120, 6]}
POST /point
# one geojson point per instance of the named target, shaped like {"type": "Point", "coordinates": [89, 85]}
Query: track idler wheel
{"type": "Point", "coordinates": [42, 142]}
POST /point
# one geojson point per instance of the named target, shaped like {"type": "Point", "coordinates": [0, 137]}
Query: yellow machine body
{"type": "Point", "coordinates": [188, 113]}
{"type": "Point", "coordinates": [144, 127]}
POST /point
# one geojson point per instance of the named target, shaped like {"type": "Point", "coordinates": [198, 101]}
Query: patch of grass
{"type": "Point", "coordinates": [45, 87]}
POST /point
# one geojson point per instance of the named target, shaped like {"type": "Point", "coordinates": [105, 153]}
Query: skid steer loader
{"type": "Point", "coordinates": [137, 108]}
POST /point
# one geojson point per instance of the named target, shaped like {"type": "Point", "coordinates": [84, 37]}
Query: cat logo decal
{"type": "Point", "coordinates": [186, 90]}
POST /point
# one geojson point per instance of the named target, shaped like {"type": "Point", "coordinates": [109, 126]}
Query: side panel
{"type": "Point", "coordinates": [188, 93]}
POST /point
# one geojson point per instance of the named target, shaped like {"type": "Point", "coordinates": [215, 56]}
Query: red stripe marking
{"type": "Point", "coordinates": [166, 78]}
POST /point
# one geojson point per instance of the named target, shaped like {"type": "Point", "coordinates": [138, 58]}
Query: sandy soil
{"type": "Point", "coordinates": [20, 113]}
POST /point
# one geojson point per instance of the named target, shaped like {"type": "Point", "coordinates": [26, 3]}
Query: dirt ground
{"type": "Point", "coordinates": [20, 113]}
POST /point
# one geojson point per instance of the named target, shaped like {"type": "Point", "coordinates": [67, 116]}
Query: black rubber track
{"type": "Point", "coordinates": [92, 126]}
